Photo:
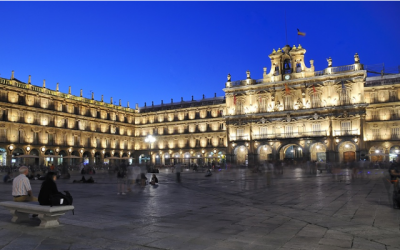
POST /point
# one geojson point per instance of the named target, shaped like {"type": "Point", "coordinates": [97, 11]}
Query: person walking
{"type": "Point", "coordinates": [22, 190]}
{"type": "Point", "coordinates": [121, 179]}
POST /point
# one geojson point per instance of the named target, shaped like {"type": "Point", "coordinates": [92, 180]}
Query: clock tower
{"type": "Point", "coordinates": [288, 63]}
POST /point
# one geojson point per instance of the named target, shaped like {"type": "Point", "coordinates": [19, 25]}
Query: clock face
{"type": "Point", "coordinates": [287, 77]}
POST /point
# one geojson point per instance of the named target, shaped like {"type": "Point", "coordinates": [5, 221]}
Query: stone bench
{"type": "Point", "coordinates": [47, 215]}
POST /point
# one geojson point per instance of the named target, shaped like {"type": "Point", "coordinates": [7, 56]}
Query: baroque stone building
{"type": "Point", "coordinates": [293, 112]}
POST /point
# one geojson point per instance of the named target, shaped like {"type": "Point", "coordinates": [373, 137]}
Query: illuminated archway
{"type": "Point", "coordinates": [291, 152]}
{"type": "Point", "coordinates": [264, 153]}
{"type": "Point", "coordinates": [347, 151]}
{"type": "Point", "coordinates": [318, 152]}
{"type": "Point", "coordinates": [241, 154]}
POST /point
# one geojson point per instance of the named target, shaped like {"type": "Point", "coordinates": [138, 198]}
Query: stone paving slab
{"type": "Point", "coordinates": [232, 209]}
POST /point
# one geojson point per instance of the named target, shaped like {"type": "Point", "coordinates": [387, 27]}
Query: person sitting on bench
{"type": "Point", "coordinates": [22, 190]}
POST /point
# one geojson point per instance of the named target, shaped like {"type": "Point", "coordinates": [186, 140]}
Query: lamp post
{"type": "Point", "coordinates": [150, 139]}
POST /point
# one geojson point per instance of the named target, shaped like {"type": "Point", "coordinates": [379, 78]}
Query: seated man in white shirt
{"type": "Point", "coordinates": [22, 190]}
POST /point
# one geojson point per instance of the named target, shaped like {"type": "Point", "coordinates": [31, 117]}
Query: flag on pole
{"type": "Point", "coordinates": [313, 88]}
{"type": "Point", "coordinates": [300, 33]}
{"type": "Point", "coordinates": [287, 89]}
{"type": "Point", "coordinates": [234, 100]}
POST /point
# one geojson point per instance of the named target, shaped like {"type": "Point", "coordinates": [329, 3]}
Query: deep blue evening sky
{"type": "Point", "coordinates": [144, 51]}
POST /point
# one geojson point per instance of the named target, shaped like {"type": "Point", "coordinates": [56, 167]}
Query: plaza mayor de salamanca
{"type": "Point", "coordinates": [337, 114]}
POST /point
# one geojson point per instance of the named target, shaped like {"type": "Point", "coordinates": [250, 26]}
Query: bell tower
{"type": "Point", "coordinates": [287, 63]}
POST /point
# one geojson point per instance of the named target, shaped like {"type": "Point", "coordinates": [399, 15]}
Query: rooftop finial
{"type": "Point", "coordinates": [329, 62]}
{"type": "Point", "coordinates": [119, 102]}
{"type": "Point", "coordinates": [111, 100]}
{"type": "Point", "coordinates": [215, 94]}
{"type": "Point", "coordinates": [229, 77]}
{"type": "Point", "coordinates": [29, 79]}
{"type": "Point", "coordinates": [12, 75]}
{"type": "Point", "coordinates": [136, 106]}
{"type": "Point", "coordinates": [192, 98]}
{"type": "Point", "coordinates": [44, 83]}
{"type": "Point", "coordinates": [356, 58]}
{"type": "Point", "coordinates": [181, 99]}
{"type": "Point", "coordinates": [102, 98]}
{"type": "Point", "coordinates": [92, 95]}
{"type": "Point", "coordinates": [152, 103]}
{"type": "Point", "coordinates": [172, 100]}
{"type": "Point", "coordinates": [57, 87]}
{"type": "Point", "coordinates": [69, 90]}
{"type": "Point", "coordinates": [203, 96]}
{"type": "Point", "coordinates": [81, 93]}
{"type": "Point", "coordinates": [127, 105]}
{"type": "Point", "coordinates": [248, 74]}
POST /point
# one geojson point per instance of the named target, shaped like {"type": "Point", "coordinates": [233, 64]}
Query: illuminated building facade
{"type": "Point", "coordinates": [294, 112]}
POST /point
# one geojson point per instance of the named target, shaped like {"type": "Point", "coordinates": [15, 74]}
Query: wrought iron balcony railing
{"type": "Point", "coordinates": [346, 132]}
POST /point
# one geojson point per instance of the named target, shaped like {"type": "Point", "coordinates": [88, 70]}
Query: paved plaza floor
{"type": "Point", "coordinates": [232, 209]}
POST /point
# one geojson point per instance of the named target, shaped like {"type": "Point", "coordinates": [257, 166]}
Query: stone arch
{"type": "Point", "coordinates": [393, 152]}
{"type": "Point", "coordinates": [291, 151]}
{"type": "Point", "coordinates": [318, 152]}
{"type": "Point", "coordinates": [34, 151]}
{"type": "Point", "coordinates": [86, 157]}
{"type": "Point", "coordinates": [347, 151]}
{"type": "Point", "coordinates": [264, 153]}
{"type": "Point", "coordinates": [241, 155]}
{"type": "Point", "coordinates": [376, 153]}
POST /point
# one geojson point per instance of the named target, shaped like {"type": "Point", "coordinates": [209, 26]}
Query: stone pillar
{"type": "Point", "coordinates": [91, 159]}
{"type": "Point", "coordinates": [361, 143]}
{"type": "Point", "coordinates": [8, 158]}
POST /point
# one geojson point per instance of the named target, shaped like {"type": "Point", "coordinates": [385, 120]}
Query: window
{"type": "Point", "coordinates": [316, 127]}
{"type": "Point", "coordinates": [392, 96]}
{"type": "Point", "coordinates": [240, 133]}
{"type": "Point", "coordinates": [263, 131]}
{"type": "Point", "coordinates": [288, 102]}
{"type": "Point", "coordinates": [50, 139]}
{"type": "Point", "coordinates": [375, 134]}
{"type": "Point", "coordinates": [373, 97]}
{"type": "Point", "coordinates": [344, 96]}
{"type": "Point", "coordinates": [3, 135]}
{"type": "Point", "coordinates": [35, 138]}
{"type": "Point", "coordinates": [395, 133]}
{"type": "Point", "coordinates": [98, 142]}
{"type": "Point", "coordinates": [374, 115]}
{"type": "Point", "coordinates": [288, 130]}
{"type": "Point", "coordinates": [263, 105]}
{"type": "Point", "coordinates": [239, 108]}
{"type": "Point", "coordinates": [298, 68]}
{"type": "Point", "coordinates": [315, 100]}
{"type": "Point", "coordinates": [276, 71]}
{"type": "Point", "coordinates": [21, 136]}
{"type": "Point", "coordinates": [345, 127]}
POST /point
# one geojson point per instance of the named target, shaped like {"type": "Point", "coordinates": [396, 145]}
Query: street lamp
{"type": "Point", "coordinates": [150, 139]}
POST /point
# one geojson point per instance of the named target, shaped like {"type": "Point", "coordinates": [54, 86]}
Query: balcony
{"type": "Point", "coordinates": [291, 135]}
{"type": "Point", "coordinates": [240, 138]}
{"type": "Point", "coordinates": [346, 132]}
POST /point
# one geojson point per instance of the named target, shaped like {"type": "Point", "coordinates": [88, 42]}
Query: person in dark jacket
{"type": "Point", "coordinates": [49, 187]}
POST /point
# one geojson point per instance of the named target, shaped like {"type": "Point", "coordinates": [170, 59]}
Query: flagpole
{"type": "Point", "coordinates": [286, 28]}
